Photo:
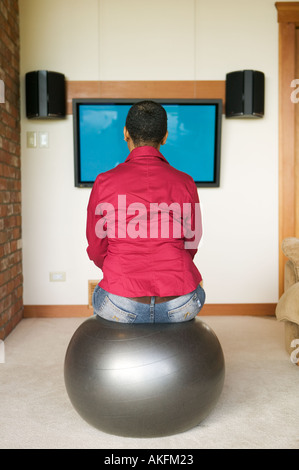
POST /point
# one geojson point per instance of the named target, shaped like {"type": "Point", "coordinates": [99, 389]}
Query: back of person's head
{"type": "Point", "coordinates": [147, 123]}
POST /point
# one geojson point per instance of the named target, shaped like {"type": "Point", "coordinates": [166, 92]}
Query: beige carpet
{"type": "Point", "coordinates": [258, 408]}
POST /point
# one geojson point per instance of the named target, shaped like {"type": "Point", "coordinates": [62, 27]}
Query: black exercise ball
{"type": "Point", "coordinates": [143, 380]}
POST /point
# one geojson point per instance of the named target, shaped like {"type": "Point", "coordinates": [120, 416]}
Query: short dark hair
{"type": "Point", "coordinates": [146, 123]}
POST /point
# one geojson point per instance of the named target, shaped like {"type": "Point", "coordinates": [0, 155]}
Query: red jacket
{"type": "Point", "coordinates": [141, 250]}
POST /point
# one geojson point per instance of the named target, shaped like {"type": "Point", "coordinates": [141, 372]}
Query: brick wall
{"type": "Point", "coordinates": [11, 281]}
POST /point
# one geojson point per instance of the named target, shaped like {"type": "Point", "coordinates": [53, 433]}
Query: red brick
{"type": "Point", "coordinates": [11, 278]}
{"type": "Point", "coordinates": [5, 277]}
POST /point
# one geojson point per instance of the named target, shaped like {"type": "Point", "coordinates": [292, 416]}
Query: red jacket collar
{"type": "Point", "coordinates": [145, 151]}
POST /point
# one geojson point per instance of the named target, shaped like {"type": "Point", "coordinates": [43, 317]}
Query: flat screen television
{"type": "Point", "coordinates": [193, 143]}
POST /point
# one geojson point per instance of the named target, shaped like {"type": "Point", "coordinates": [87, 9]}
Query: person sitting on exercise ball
{"type": "Point", "coordinates": [143, 230]}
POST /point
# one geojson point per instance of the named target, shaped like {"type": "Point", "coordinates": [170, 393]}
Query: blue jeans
{"type": "Point", "coordinates": [121, 309]}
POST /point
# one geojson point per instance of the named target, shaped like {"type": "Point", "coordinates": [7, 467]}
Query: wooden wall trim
{"type": "Point", "coordinates": [256, 310]}
{"type": "Point", "coordinates": [70, 311]}
{"type": "Point", "coordinates": [287, 149]}
{"type": "Point", "coordinates": [297, 137]}
{"type": "Point", "coordinates": [56, 311]}
{"type": "Point", "coordinates": [287, 12]}
{"type": "Point", "coordinates": [201, 89]}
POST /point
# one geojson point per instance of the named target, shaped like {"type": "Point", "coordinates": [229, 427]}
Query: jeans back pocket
{"type": "Point", "coordinates": [186, 312]}
{"type": "Point", "coordinates": [111, 312]}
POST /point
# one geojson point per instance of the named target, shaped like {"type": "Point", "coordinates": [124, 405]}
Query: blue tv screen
{"type": "Point", "coordinates": [193, 144]}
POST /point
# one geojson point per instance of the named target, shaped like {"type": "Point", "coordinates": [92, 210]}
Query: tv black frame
{"type": "Point", "coordinates": [76, 102]}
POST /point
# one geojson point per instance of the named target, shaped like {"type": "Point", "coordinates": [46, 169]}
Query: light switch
{"type": "Point", "coordinates": [43, 139]}
{"type": "Point", "coordinates": [31, 140]}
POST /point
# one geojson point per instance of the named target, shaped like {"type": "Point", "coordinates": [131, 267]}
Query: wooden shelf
{"type": "Point", "coordinates": [200, 89]}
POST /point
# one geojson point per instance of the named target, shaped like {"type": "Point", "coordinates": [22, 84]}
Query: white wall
{"type": "Point", "coordinates": [154, 40]}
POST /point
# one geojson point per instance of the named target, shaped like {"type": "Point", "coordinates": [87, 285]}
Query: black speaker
{"type": "Point", "coordinates": [45, 95]}
{"type": "Point", "coordinates": [245, 94]}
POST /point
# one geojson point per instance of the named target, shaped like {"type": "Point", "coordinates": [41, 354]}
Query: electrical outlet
{"type": "Point", "coordinates": [57, 277]}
